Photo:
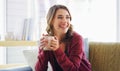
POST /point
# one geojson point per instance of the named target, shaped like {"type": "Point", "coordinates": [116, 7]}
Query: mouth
{"type": "Point", "coordinates": [63, 26]}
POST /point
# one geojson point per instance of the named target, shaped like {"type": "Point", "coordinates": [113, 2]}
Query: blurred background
{"type": "Point", "coordinates": [97, 20]}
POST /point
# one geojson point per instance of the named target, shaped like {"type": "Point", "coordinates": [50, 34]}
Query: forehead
{"type": "Point", "coordinates": [62, 12]}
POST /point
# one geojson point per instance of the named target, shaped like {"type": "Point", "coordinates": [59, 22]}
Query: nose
{"type": "Point", "coordinates": [64, 19]}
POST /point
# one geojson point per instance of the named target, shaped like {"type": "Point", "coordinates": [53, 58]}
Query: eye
{"type": "Point", "coordinates": [60, 17]}
{"type": "Point", "coordinates": [68, 17]}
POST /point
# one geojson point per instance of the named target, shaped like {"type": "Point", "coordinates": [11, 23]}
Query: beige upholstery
{"type": "Point", "coordinates": [104, 56]}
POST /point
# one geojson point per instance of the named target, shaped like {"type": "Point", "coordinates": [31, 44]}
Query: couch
{"type": "Point", "coordinates": [103, 56]}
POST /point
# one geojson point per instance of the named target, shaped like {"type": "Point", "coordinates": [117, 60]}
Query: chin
{"type": "Point", "coordinates": [64, 31]}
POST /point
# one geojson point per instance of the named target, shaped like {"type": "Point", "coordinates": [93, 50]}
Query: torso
{"type": "Point", "coordinates": [57, 66]}
{"type": "Point", "coordinates": [62, 46]}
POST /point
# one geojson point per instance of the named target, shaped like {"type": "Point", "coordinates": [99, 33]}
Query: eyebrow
{"type": "Point", "coordinates": [59, 15]}
{"type": "Point", "coordinates": [62, 15]}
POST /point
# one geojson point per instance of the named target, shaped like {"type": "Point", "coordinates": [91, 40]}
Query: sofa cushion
{"type": "Point", "coordinates": [86, 47]}
{"type": "Point", "coordinates": [31, 57]}
{"type": "Point", "coordinates": [105, 56]}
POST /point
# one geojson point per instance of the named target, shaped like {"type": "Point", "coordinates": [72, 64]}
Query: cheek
{"type": "Point", "coordinates": [55, 26]}
{"type": "Point", "coordinates": [55, 23]}
{"type": "Point", "coordinates": [68, 25]}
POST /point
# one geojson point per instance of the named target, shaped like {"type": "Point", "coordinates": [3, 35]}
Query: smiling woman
{"type": "Point", "coordinates": [95, 20]}
{"type": "Point", "coordinates": [66, 51]}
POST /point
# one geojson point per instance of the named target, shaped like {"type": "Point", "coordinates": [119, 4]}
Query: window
{"type": "Point", "coordinates": [2, 29]}
{"type": "Point", "coordinates": [95, 19]}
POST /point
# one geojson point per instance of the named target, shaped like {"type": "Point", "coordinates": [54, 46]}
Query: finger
{"type": "Point", "coordinates": [53, 44]}
{"type": "Point", "coordinates": [45, 34]}
{"type": "Point", "coordinates": [42, 44]}
{"type": "Point", "coordinates": [43, 41]}
{"type": "Point", "coordinates": [41, 47]}
{"type": "Point", "coordinates": [51, 47]}
{"type": "Point", "coordinates": [56, 37]}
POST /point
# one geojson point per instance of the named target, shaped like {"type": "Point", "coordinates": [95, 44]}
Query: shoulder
{"type": "Point", "coordinates": [76, 36]}
{"type": "Point", "coordinates": [76, 41]}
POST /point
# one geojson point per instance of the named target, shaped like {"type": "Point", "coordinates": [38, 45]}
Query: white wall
{"type": "Point", "coordinates": [95, 19]}
{"type": "Point", "coordinates": [16, 15]}
{"type": "Point", "coordinates": [118, 20]}
{"type": "Point", "coordinates": [17, 12]}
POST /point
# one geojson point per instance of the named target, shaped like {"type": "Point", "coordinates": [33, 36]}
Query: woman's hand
{"type": "Point", "coordinates": [49, 43]}
{"type": "Point", "coordinates": [43, 43]}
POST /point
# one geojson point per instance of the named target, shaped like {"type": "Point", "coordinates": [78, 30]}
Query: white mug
{"type": "Point", "coordinates": [48, 38]}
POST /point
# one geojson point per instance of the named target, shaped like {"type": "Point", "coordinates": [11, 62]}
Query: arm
{"type": "Point", "coordinates": [42, 63]}
{"type": "Point", "coordinates": [71, 63]}
{"type": "Point", "coordinates": [43, 57]}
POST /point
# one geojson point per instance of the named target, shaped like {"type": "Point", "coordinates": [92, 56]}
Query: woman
{"type": "Point", "coordinates": [66, 48]}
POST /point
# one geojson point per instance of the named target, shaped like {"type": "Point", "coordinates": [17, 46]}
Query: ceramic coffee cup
{"type": "Point", "coordinates": [48, 38]}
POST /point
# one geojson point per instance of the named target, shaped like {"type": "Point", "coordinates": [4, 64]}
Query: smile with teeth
{"type": "Point", "coordinates": [63, 26]}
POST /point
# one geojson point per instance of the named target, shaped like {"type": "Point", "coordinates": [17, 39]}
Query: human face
{"type": "Point", "coordinates": [61, 21]}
